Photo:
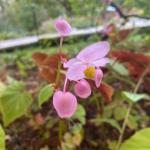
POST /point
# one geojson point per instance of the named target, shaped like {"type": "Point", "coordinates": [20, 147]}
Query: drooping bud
{"type": "Point", "coordinates": [65, 104]}
{"type": "Point", "coordinates": [82, 89]}
{"type": "Point", "coordinates": [62, 27]}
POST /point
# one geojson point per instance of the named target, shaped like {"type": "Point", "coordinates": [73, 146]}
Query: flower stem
{"type": "Point", "coordinates": [60, 129]}
{"type": "Point", "coordinates": [65, 84]}
{"type": "Point", "coordinates": [61, 122]}
{"type": "Point", "coordinates": [124, 126]}
{"type": "Point", "coordinates": [129, 109]}
{"type": "Point", "coordinates": [58, 73]}
{"type": "Point", "coordinates": [59, 63]}
{"type": "Point", "coordinates": [61, 44]}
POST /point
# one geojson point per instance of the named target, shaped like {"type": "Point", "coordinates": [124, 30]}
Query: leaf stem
{"type": "Point", "coordinates": [130, 108]}
{"type": "Point", "coordinates": [124, 126]}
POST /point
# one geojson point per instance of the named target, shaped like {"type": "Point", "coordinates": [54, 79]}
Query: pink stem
{"type": "Point", "coordinates": [65, 84]}
{"type": "Point", "coordinates": [61, 44]}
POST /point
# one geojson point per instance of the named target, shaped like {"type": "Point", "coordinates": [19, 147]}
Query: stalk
{"type": "Point", "coordinates": [130, 108]}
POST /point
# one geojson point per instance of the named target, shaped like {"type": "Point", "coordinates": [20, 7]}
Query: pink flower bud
{"type": "Point", "coordinates": [82, 89]}
{"type": "Point", "coordinates": [65, 104]}
{"type": "Point", "coordinates": [62, 27]}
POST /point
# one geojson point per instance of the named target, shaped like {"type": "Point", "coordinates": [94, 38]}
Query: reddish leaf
{"type": "Point", "coordinates": [126, 56]}
{"type": "Point", "coordinates": [136, 62]}
{"type": "Point", "coordinates": [135, 69]}
{"type": "Point", "coordinates": [3, 75]}
{"type": "Point", "coordinates": [107, 91]}
{"type": "Point", "coordinates": [39, 57]}
{"type": "Point", "coordinates": [47, 74]}
{"type": "Point", "coordinates": [115, 35]}
{"type": "Point", "coordinates": [48, 65]}
{"type": "Point", "coordinates": [123, 34]}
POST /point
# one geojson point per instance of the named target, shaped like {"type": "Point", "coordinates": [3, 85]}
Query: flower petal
{"type": "Point", "coordinates": [101, 62]}
{"type": "Point", "coordinates": [98, 77]}
{"type": "Point", "coordinates": [94, 52]}
{"type": "Point", "coordinates": [82, 89]}
{"type": "Point", "coordinates": [62, 27]}
{"type": "Point", "coordinates": [76, 72]}
{"type": "Point", "coordinates": [71, 62]}
{"type": "Point", "coordinates": [65, 104]}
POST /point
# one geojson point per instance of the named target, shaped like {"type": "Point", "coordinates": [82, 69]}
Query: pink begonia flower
{"type": "Point", "coordinates": [65, 104]}
{"type": "Point", "coordinates": [63, 27]}
{"type": "Point", "coordinates": [82, 89]}
{"type": "Point", "coordinates": [88, 62]}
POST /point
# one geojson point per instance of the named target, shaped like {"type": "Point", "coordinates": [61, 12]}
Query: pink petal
{"type": "Point", "coordinates": [94, 52]}
{"type": "Point", "coordinates": [98, 77]}
{"type": "Point", "coordinates": [76, 72]}
{"type": "Point", "coordinates": [65, 104]}
{"type": "Point", "coordinates": [71, 62]}
{"type": "Point", "coordinates": [83, 89]}
{"type": "Point", "coordinates": [62, 27]}
{"type": "Point", "coordinates": [101, 62]}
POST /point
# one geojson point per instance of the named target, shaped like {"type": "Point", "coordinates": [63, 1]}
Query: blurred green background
{"type": "Point", "coordinates": [20, 18]}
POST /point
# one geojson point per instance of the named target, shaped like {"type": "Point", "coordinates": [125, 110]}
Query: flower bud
{"type": "Point", "coordinates": [62, 27]}
{"type": "Point", "coordinates": [82, 89]}
{"type": "Point", "coordinates": [65, 104]}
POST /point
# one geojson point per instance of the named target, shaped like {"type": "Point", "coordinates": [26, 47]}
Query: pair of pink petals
{"type": "Point", "coordinates": [82, 87]}
{"type": "Point", "coordinates": [91, 56]}
{"type": "Point", "coordinates": [65, 103]}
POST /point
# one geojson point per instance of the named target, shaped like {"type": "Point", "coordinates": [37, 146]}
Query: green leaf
{"type": "Point", "coordinates": [139, 141]}
{"type": "Point", "coordinates": [22, 68]}
{"type": "Point", "coordinates": [2, 87]}
{"type": "Point", "coordinates": [45, 93]}
{"type": "Point", "coordinates": [80, 114]}
{"type": "Point", "coordinates": [119, 68]}
{"type": "Point", "coordinates": [2, 138]}
{"type": "Point", "coordinates": [113, 123]}
{"type": "Point", "coordinates": [120, 112]}
{"type": "Point", "coordinates": [77, 128]}
{"type": "Point", "coordinates": [134, 97]}
{"type": "Point", "coordinates": [132, 122]}
{"type": "Point", "coordinates": [98, 121]}
{"type": "Point", "coordinates": [14, 102]}
{"type": "Point", "coordinates": [112, 145]}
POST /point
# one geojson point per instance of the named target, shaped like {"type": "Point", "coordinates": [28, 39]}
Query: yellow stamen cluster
{"type": "Point", "coordinates": [90, 72]}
